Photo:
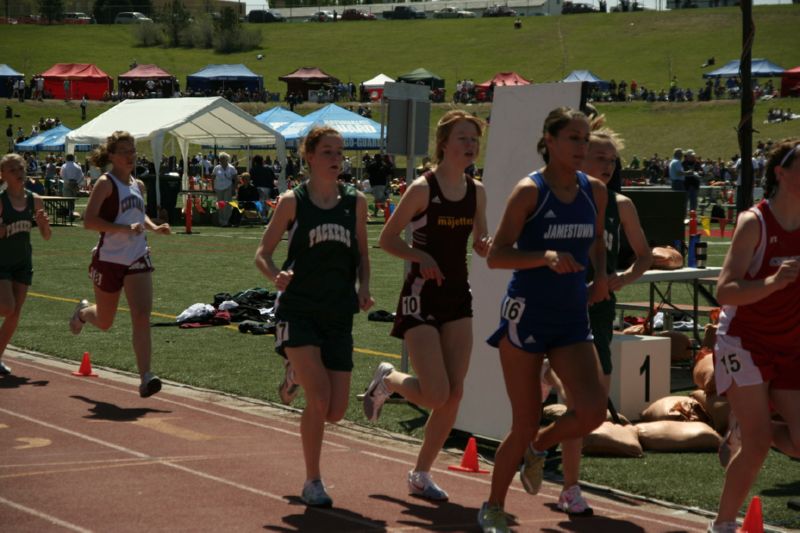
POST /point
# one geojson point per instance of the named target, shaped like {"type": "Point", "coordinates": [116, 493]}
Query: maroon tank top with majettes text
{"type": "Point", "coordinates": [442, 230]}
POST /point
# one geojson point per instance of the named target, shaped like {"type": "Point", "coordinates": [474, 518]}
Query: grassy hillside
{"type": "Point", "coordinates": [646, 46]}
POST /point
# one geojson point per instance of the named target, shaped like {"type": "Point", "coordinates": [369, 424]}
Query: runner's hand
{"type": "Point", "coordinates": [136, 228]}
{"type": "Point", "coordinates": [163, 229]}
{"type": "Point", "coordinates": [41, 217]}
{"type": "Point", "coordinates": [283, 279]}
{"type": "Point", "coordinates": [786, 274]}
{"type": "Point", "coordinates": [562, 262]}
{"type": "Point", "coordinates": [430, 270]}
{"type": "Point", "coordinates": [482, 245]}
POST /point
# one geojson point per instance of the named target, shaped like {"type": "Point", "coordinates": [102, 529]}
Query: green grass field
{"type": "Point", "coordinates": [192, 268]}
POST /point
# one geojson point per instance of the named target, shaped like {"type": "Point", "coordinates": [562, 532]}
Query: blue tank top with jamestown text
{"type": "Point", "coordinates": [552, 298]}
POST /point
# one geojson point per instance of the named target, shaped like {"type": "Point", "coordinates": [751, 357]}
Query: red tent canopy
{"type": "Point", "coordinates": [790, 82]}
{"type": "Point", "coordinates": [306, 79]}
{"type": "Point", "coordinates": [71, 81]}
{"type": "Point", "coordinates": [504, 78]}
{"type": "Point", "coordinates": [146, 71]}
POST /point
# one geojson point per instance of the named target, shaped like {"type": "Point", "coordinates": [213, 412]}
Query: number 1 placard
{"type": "Point", "coordinates": [640, 374]}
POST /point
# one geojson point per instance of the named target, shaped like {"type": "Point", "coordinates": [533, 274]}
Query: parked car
{"type": "Point", "coordinates": [76, 17]}
{"type": "Point", "coordinates": [577, 7]}
{"type": "Point", "coordinates": [131, 17]}
{"type": "Point", "coordinates": [265, 15]}
{"type": "Point", "coordinates": [321, 16]}
{"type": "Point", "coordinates": [403, 12]}
{"type": "Point", "coordinates": [357, 14]}
{"type": "Point", "coordinates": [452, 13]}
{"type": "Point", "coordinates": [499, 11]}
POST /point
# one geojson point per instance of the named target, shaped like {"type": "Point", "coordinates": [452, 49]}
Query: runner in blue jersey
{"type": "Point", "coordinates": [551, 228]}
{"type": "Point", "coordinates": [600, 162]}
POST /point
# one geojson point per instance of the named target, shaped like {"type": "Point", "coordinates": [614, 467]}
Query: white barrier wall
{"type": "Point", "coordinates": [518, 115]}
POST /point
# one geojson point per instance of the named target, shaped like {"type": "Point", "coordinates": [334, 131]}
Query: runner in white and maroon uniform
{"type": "Point", "coordinates": [434, 314]}
{"type": "Point", "coordinates": [121, 259]}
{"type": "Point", "coordinates": [757, 353]}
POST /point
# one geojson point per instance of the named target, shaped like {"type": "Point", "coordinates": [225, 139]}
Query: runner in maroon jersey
{"type": "Point", "coordinates": [757, 354]}
{"type": "Point", "coordinates": [434, 315]}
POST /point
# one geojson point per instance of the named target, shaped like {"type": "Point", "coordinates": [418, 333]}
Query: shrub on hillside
{"type": "Point", "coordinates": [199, 34]}
{"type": "Point", "coordinates": [149, 34]}
{"type": "Point", "coordinates": [240, 41]}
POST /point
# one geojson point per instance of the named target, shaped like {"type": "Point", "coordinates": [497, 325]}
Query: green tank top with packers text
{"type": "Point", "coordinates": [16, 253]}
{"type": "Point", "coordinates": [324, 256]}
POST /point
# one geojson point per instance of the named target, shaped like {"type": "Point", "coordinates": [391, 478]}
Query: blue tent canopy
{"type": "Point", "coordinates": [52, 140]}
{"type": "Point", "coordinates": [359, 133]}
{"type": "Point", "coordinates": [759, 68]}
{"type": "Point", "coordinates": [7, 75]}
{"type": "Point", "coordinates": [295, 131]}
{"type": "Point", "coordinates": [215, 77]}
{"type": "Point", "coordinates": [586, 75]}
{"type": "Point", "coordinates": [278, 117]}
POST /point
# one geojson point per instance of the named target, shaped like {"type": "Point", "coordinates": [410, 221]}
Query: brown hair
{"type": "Point", "coordinates": [780, 153]}
{"type": "Point", "coordinates": [556, 121]}
{"type": "Point", "coordinates": [446, 124]}
{"type": "Point", "coordinates": [310, 141]}
{"type": "Point", "coordinates": [12, 158]}
{"type": "Point", "coordinates": [99, 157]}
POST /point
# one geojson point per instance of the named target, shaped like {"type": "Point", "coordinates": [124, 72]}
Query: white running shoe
{"type": "Point", "coordinates": [4, 370]}
{"type": "Point", "coordinates": [571, 502]}
{"type": "Point", "coordinates": [150, 385]}
{"type": "Point", "coordinates": [377, 392]}
{"type": "Point", "coordinates": [723, 527]}
{"type": "Point", "coordinates": [315, 495]}
{"type": "Point", "coordinates": [421, 484]}
{"type": "Point", "coordinates": [75, 323]}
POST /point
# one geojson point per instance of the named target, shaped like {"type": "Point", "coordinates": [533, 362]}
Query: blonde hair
{"type": "Point", "coordinates": [100, 158]}
{"type": "Point", "coordinates": [446, 124]}
{"type": "Point", "coordinates": [607, 135]}
{"type": "Point", "coordinates": [224, 155]}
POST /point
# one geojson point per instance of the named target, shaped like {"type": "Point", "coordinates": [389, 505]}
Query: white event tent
{"type": "Point", "coordinates": [212, 120]}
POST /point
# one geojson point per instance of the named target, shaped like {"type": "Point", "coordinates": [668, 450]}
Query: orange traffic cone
{"type": "Point", "coordinates": [469, 462]}
{"type": "Point", "coordinates": [753, 520]}
{"type": "Point", "coordinates": [86, 367]}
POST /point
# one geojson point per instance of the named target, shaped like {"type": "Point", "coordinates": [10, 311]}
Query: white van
{"type": "Point", "coordinates": [131, 17]}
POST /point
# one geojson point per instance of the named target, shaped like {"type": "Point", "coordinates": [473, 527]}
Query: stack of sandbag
{"type": "Point", "coordinates": [675, 424]}
{"type": "Point", "coordinates": [609, 440]}
{"type": "Point", "coordinates": [680, 345]}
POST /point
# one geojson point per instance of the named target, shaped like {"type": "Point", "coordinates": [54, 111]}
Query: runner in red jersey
{"type": "Point", "coordinates": [757, 354]}
{"type": "Point", "coordinates": [434, 314]}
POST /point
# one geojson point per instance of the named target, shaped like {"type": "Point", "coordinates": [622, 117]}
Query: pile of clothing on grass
{"type": "Point", "coordinates": [252, 309]}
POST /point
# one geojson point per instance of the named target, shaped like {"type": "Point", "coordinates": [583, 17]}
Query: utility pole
{"type": "Point", "coordinates": [744, 194]}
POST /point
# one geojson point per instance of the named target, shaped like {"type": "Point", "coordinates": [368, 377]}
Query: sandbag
{"type": "Point", "coordinates": [673, 436]}
{"type": "Point", "coordinates": [613, 440]}
{"type": "Point", "coordinates": [703, 371]}
{"type": "Point", "coordinates": [717, 407]}
{"type": "Point", "coordinates": [553, 412]}
{"type": "Point", "coordinates": [637, 329]}
{"type": "Point", "coordinates": [667, 258]}
{"type": "Point", "coordinates": [680, 408]}
{"type": "Point", "coordinates": [680, 345]}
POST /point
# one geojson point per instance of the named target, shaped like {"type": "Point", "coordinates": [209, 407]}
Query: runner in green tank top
{"type": "Point", "coordinates": [604, 145]}
{"type": "Point", "coordinates": [324, 281]}
{"type": "Point", "coordinates": [19, 209]}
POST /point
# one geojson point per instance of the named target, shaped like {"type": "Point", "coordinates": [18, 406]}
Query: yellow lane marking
{"type": "Point", "coordinates": [32, 442]}
{"type": "Point", "coordinates": [163, 425]}
{"type": "Point", "coordinates": [3, 426]}
{"type": "Point", "coordinates": [172, 317]}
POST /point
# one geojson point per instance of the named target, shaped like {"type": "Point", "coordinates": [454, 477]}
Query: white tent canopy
{"type": "Point", "coordinates": [377, 82]}
{"type": "Point", "coordinates": [211, 121]}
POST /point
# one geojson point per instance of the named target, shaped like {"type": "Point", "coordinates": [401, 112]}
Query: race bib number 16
{"type": "Point", "coordinates": [512, 309]}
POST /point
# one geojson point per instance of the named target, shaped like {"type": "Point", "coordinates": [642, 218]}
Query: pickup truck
{"type": "Point", "coordinates": [403, 12]}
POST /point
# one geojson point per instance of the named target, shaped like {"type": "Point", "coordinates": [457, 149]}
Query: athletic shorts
{"type": "Point", "coordinates": [379, 192]}
{"type": "Point", "coordinates": [534, 335]}
{"type": "Point", "coordinates": [110, 277]}
{"type": "Point", "coordinates": [23, 277]}
{"type": "Point", "coordinates": [423, 302]}
{"type": "Point", "coordinates": [734, 363]}
{"type": "Point", "coordinates": [601, 318]}
{"type": "Point", "coordinates": [334, 338]}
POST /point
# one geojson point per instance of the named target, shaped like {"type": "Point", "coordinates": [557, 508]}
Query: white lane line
{"type": "Point", "coordinates": [198, 473]}
{"type": "Point", "coordinates": [44, 516]}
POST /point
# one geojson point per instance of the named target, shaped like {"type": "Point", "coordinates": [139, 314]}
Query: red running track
{"type": "Point", "coordinates": [87, 454]}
